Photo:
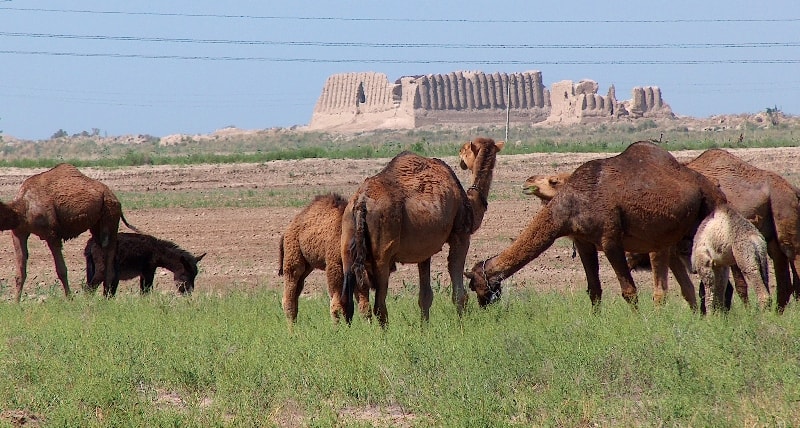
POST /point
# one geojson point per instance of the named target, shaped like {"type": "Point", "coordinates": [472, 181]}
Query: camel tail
{"type": "Point", "coordinates": [280, 257]}
{"type": "Point", "coordinates": [357, 249]}
{"type": "Point", "coordinates": [133, 228]}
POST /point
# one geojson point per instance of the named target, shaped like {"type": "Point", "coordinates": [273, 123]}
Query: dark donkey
{"type": "Point", "coordinates": [140, 255]}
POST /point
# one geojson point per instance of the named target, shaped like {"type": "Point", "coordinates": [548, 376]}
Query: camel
{"type": "Point", "coordinates": [57, 205]}
{"type": "Point", "coordinates": [767, 200]}
{"type": "Point", "coordinates": [642, 200]}
{"type": "Point", "coordinates": [139, 255]}
{"type": "Point", "coordinates": [545, 187]}
{"type": "Point", "coordinates": [405, 214]}
{"type": "Point", "coordinates": [312, 241]}
{"type": "Point", "coordinates": [723, 240]}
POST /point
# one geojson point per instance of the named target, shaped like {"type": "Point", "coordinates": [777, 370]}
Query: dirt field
{"type": "Point", "coordinates": [242, 242]}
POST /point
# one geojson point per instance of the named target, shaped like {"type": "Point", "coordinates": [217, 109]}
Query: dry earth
{"type": "Point", "coordinates": [242, 242]}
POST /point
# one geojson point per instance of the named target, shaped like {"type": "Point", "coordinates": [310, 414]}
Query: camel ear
{"type": "Point", "coordinates": [500, 145]}
{"type": "Point", "coordinates": [554, 180]}
{"type": "Point", "coordinates": [474, 148]}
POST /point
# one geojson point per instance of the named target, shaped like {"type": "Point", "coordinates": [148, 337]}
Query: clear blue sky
{"type": "Point", "coordinates": [158, 68]}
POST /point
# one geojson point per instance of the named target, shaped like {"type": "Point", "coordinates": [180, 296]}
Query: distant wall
{"type": "Point", "coordinates": [370, 101]}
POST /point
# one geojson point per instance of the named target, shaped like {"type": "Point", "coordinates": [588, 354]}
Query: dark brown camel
{"type": "Point", "coordinates": [545, 187]}
{"type": "Point", "coordinates": [405, 214]}
{"type": "Point", "coordinates": [641, 200]}
{"type": "Point", "coordinates": [768, 201]}
{"type": "Point", "coordinates": [57, 205]}
{"type": "Point", "coordinates": [139, 255]}
{"type": "Point", "coordinates": [312, 240]}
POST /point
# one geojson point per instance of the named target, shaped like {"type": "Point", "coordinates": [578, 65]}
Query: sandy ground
{"type": "Point", "coordinates": [242, 242]}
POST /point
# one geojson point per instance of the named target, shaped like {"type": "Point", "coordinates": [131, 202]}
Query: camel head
{"type": "Point", "coordinates": [488, 289]}
{"type": "Point", "coordinates": [470, 150]}
{"type": "Point", "coordinates": [544, 187]}
{"type": "Point", "coordinates": [184, 278]}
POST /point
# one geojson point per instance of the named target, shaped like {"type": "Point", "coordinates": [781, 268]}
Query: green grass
{"type": "Point", "coordinates": [267, 146]}
{"type": "Point", "coordinates": [536, 359]}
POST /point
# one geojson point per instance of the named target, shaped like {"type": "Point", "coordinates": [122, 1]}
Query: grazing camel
{"type": "Point", "coordinates": [642, 200]}
{"type": "Point", "coordinates": [57, 205]}
{"type": "Point", "coordinates": [405, 214]}
{"type": "Point", "coordinates": [139, 255]}
{"type": "Point", "coordinates": [312, 241]}
{"type": "Point", "coordinates": [767, 200]}
{"type": "Point", "coordinates": [545, 187]}
{"type": "Point", "coordinates": [725, 239]}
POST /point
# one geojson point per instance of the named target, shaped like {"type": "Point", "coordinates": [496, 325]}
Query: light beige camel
{"type": "Point", "coordinates": [312, 241]}
{"type": "Point", "coordinates": [405, 214]}
{"type": "Point", "coordinates": [767, 200]}
{"type": "Point", "coordinates": [57, 205]}
{"type": "Point", "coordinates": [723, 240]}
{"type": "Point", "coordinates": [545, 187]}
{"type": "Point", "coordinates": [641, 200]}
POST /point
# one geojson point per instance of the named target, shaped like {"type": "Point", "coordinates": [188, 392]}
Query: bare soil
{"type": "Point", "coordinates": [242, 243]}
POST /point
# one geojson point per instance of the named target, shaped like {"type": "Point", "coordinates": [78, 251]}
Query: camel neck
{"type": "Point", "coordinates": [538, 236]}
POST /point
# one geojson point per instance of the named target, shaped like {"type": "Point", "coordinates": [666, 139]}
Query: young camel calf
{"type": "Point", "coordinates": [723, 240]}
{"type": "Point", "coordinates": [139, 255]}
{"type": "Point", "coordinates": [311, 241]}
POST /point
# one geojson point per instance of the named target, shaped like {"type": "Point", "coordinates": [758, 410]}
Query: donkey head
{"type": "Point", "coordinates": [184, 278]}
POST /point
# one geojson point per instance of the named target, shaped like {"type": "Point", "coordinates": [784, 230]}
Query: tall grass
{"type": "Point", "coordinates": [535, 359]}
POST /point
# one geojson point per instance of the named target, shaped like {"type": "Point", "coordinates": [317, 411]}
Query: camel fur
{"type": "Point", "coordinates": [312, 241]}
{"type": "Point", "coordinates": [545, 187]}
{"type": "Point", "coordinates": [57, 205]}
{"type": "Point", "coordinates": [768, 201]}
{"type": "Point", "coordinates": [139, 255]}
{"type": "Point", "coordinates": [642, 200]}
{"type": "Point", "coordinates": [405, 214]}
{"type": "Point", "coordinates": [723, 240]}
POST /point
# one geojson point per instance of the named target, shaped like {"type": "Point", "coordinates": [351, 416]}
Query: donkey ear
{"type": "Point", "coordinates": [200, 257]}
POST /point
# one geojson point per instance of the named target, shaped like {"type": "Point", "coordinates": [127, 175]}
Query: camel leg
{"type": "Point", "coordinates": [335, 277]}
{"type": "Point", "coordinates": [795, 283]}
{"type": "Point", "coordinates": [425, 299]}
{"type": "Point", "coordinates": [616, 257]}
{"type": "Point", "coordinates": [717, 278]}
{"type": "Point", "coordinates": [681, 274]}
{"type": "Point", "coordinates": [781, 266]}
{"type": "Point", "coordinates": [456, 259]}
{"type": "Point", "coordinates": [21, 252]}
{"type": "Point", "coordinates": [591, 266]}
{"type": "Point", "coordinates": [294, 280]}
{"type": "Point", "coordinates": [61, 266]}
{"type": "Point", "coordinates": [381, 291]}
{"type": "Point", "coordinates": [659, 261]}
{"type": "Point", "coordinates": [752, 277]}
{"type": "Point", "coordinates": [740, 281]}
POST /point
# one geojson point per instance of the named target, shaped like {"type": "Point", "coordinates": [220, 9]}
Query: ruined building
{"type": "Point", "coordinates": [369, 101]}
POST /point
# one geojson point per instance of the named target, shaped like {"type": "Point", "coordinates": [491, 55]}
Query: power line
{"type": "Point", "coordinates": [436, 20]}
{"type": "Point", "coordinates": [759, 45]}
{"type": "Point", "coordinates": [404, 61]}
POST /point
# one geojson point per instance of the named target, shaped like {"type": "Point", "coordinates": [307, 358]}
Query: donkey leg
{"type": "Point", "coordinates": [146, 279]}
{"type": "Point", "coordinates": [61, 266]}
{"type": "Point", "coordinates": [21, 252]}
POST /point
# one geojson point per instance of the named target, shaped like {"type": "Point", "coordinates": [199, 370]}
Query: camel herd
{"type": "Point", "coordinates": [710, 216]}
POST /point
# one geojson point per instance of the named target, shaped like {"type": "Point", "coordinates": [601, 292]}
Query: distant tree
{"type": "Point", "coordinates": [59, 134]}
{"type": "Point", "coordinates": [773, 114]}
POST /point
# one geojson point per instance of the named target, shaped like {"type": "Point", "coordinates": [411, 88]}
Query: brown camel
{"type": "Point", "coordinates": [545, 187]}
{"type": "Point", "coordinates": [767, 200]}
{"type": "Point", "coordinates": [405, 214]}
{"type": "Point", "coordinates": [642, 200]}
{"type": "Point", "coordinates": [139, 255]}
{"type": "Point", "coordinates": [312, 241]}
{"type": "Point", "coordinates": [723, 240]}
{"type": "Point", "coordinates": [57, 205]}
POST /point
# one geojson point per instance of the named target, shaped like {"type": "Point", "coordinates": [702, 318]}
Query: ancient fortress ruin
{"type": "Point", "coordinates": [369, 101]}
